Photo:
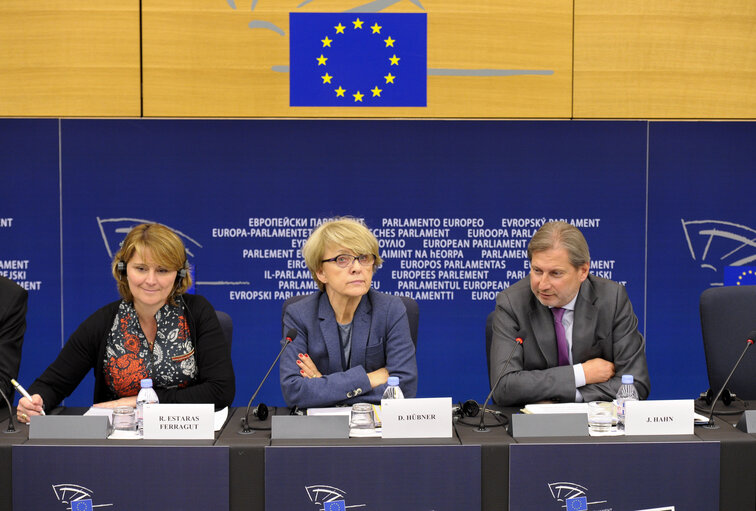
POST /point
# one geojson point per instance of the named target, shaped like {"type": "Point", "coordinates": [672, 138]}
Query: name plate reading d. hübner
{"type": "Point", "coordinates": [178, 421]}
{"type": "Point", "coordinates": [665, 417]}
{"type": "Point", "coordinates": [417, 418]}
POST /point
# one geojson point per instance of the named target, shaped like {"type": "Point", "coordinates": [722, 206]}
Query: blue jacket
{"type": "Point", "coordinates": [380, 338]}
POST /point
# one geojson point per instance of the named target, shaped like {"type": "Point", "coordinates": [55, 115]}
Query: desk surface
{"type": "Point", "coordinates": [247, 457]}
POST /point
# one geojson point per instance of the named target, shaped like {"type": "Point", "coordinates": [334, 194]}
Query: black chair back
{"type": "Point", "coordinates": [489, 336]}
{"type": "Point", "coordinates": [728, 315]}
{"type": "Point", "coordinates": [227, 325]}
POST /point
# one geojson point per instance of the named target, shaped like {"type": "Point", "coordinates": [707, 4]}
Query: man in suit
{"type": "Point", "coordinates": [579, 332]}
{"type": "Point", "coordinates": [12, 327]}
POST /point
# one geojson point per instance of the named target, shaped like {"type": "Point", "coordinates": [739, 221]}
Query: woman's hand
{"type": "Point", "coordinates": [307, 367]}
{"type": "Point", "coordinates": [124, 401]}
{"type": "Point", "coordinates": [28, 408]}
{"type": "Point", "coordinates": [378, 377]}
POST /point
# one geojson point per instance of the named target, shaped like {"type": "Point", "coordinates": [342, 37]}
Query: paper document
{"type": "Point", "coordinates": [582, 408]}
{"type": "Point", "coordinates": [108, 412]}
{"type": "Point", "coordinates": [556, 408]}
{"type": "Point", "coordinates": [334, 410]}
{"type": "Point", "coordinates": [219, 419]}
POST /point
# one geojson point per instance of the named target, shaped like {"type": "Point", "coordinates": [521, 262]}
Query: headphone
{"type": "Point", "coordinates": [469, 408]}
{"type": "Point", "coordinates": [180, 274]}
{"type": "Point", "coordinates": [727, 397]}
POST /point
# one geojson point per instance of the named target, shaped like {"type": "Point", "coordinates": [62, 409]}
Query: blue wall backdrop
{"type": "Point", "coordinates": [453, 204]}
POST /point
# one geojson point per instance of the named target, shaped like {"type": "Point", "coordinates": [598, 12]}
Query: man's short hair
{"type": "Point", "coordinates": [561, 234]}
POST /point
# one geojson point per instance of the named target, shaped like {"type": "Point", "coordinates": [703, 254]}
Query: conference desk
{"type": "Point", "coordinates": [246, 457]}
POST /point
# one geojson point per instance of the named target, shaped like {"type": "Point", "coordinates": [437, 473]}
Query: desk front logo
{"type": "Point", "coordinates": [77, 498]}
{"type": "Point", "coordinates": [574, 497]}
{"type": "Point", "coordinates": [330, 498]}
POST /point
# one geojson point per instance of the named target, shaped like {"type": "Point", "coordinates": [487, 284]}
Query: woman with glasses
{"type": "Point", "coordinates": [350, 338]}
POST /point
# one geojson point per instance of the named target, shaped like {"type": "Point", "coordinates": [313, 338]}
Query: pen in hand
{"type": "Point", "coordinates": [23, 392]}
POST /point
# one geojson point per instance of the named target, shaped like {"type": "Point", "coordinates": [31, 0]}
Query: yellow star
{"type": "Point", "coordinates": [339, 92]}
{"type": "Point", "coordinates": [322, 60]}
{"type": "Point", "coordinates": [389, 78]}
{"type": "Point", "coordinates": [376, 91]}
{"type": "Point", "coordinates": [376, 28]}
{"type": "Point", "coordinates": [394, 60]}
{"type": "Point", "coordinates": [389, 42]}
{"type": "Point", "coordinates": [339, 28]}
{"type": "Point", "coordinates": [358, 97]}
{"type": "Point", "coordinates": [358, 24]}
{"type": "Point", "coordinates": [326, 78]}
{"type": "Point", "coordinates": [326, 42]}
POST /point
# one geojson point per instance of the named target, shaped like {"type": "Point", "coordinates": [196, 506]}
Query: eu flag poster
{"type": "Point", "coordinates": [358, 59]}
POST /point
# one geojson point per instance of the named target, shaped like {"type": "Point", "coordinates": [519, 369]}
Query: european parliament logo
{"type": "Point", "coordinates": [358, 59]}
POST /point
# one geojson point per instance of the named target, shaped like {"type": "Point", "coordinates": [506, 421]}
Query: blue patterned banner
{"type": "Point", "coordinates": [740, 275]}
{"type": "Point", "coordinates": [358, 59]}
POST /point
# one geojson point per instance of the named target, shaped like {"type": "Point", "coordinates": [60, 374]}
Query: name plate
{"type": "Point", "coordinates": [666, 417]}
{"type": "Point", "coordinates": [79, 427]}
{"type": "Point", "coordinates": [179, 421]}
{"type": "Point", "coordinates": [417, 418]}
{"type": "Point", "coordinates": [307, 427]}
{"type": "Point", "coordinates": [526, 425]}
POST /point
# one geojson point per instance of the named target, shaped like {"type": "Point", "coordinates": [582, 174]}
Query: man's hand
{"type": "Point", "coordinates": [598, 370]}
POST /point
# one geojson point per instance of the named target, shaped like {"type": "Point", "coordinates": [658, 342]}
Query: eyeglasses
{"type": "Point", "coordinates": [347, 260]}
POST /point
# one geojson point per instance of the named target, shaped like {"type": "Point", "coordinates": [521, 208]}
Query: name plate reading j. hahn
{"type": "Point", "coordinates": [666, 417]}
{"type": "Point", "coordinates": [417, 418]}
{"type": "Point", "coordinates": [178, 421]}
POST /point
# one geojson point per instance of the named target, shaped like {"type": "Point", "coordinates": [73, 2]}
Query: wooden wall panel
{"type": "Point", "coordinates": [203, 59]}
{"type": "Point", "coordinates": [665, 59]}
{"type": "Point", "coordinates": [69, 58]}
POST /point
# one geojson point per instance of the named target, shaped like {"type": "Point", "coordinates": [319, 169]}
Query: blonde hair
{"type": "Point", "coordinates": [344, 231]}
{"type": "Point", "coordinates": [561, 234]}
{"type": "Point", "coordinates": [166, 249]}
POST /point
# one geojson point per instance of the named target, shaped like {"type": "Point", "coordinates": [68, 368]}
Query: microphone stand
{"type": "Point", "coordinates": [246, 428]}
{"type": "Point", "coordinates": [482, 427]}
{"type": "Point", "coordinates": [711, 424]}
{"type": "Point", "coordinates": [11, 425]}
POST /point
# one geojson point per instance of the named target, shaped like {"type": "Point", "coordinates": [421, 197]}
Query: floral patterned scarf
{"type": "Point", "coordinates": [128, 359]}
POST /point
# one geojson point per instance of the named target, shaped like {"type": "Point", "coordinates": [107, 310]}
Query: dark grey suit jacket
{"type": "Point", "coordinates": [604, 327]}
{"type": "Point", "coordinates": [13, 300]}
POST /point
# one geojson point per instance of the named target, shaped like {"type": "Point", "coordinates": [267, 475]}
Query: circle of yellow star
{"type": "Point", "coordinates": [339, 92]}
{"type": "Point", "coordinates": [326, 42]}
{"type": "Point", "coordinates": [322, 60]}
{"type": "Point", "coordinates": [326, 78]}
{"type": "Point", "coordinates": [376, 91]}
{"type": "Point", "coordinates": [389, 42]}
{"type": "Point", "coordinates": [339, 28]}
{"type": "Point", "coordinates": [394, 60]}
{"type": "Point", "coordinates": [358, 97]}
{"type": "Point", "coordinates": [358, 23]}
{"type": "Point", "coordinates": [389, 78]}
{"type": "Point", "coordinates": [376, 28]}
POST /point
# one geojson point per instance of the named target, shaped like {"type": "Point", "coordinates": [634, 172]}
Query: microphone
{"type": "Point", "coordinates": [11, 426]}
{"type": "Point", "coordinates": [749, 342]}
{"type": "Point", "coordinates": [469, 408]}
{"type": "Point", "coordinates": [482, 427]}
{"type": "Point", "coordinates": [261, 411]}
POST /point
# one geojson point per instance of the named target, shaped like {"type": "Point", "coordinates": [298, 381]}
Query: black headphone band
{"type": "Point", "coordinates": [181, 273]}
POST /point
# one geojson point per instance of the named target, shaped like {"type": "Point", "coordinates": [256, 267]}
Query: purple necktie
{"type": "Point", "coordinates": [562, 348]}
